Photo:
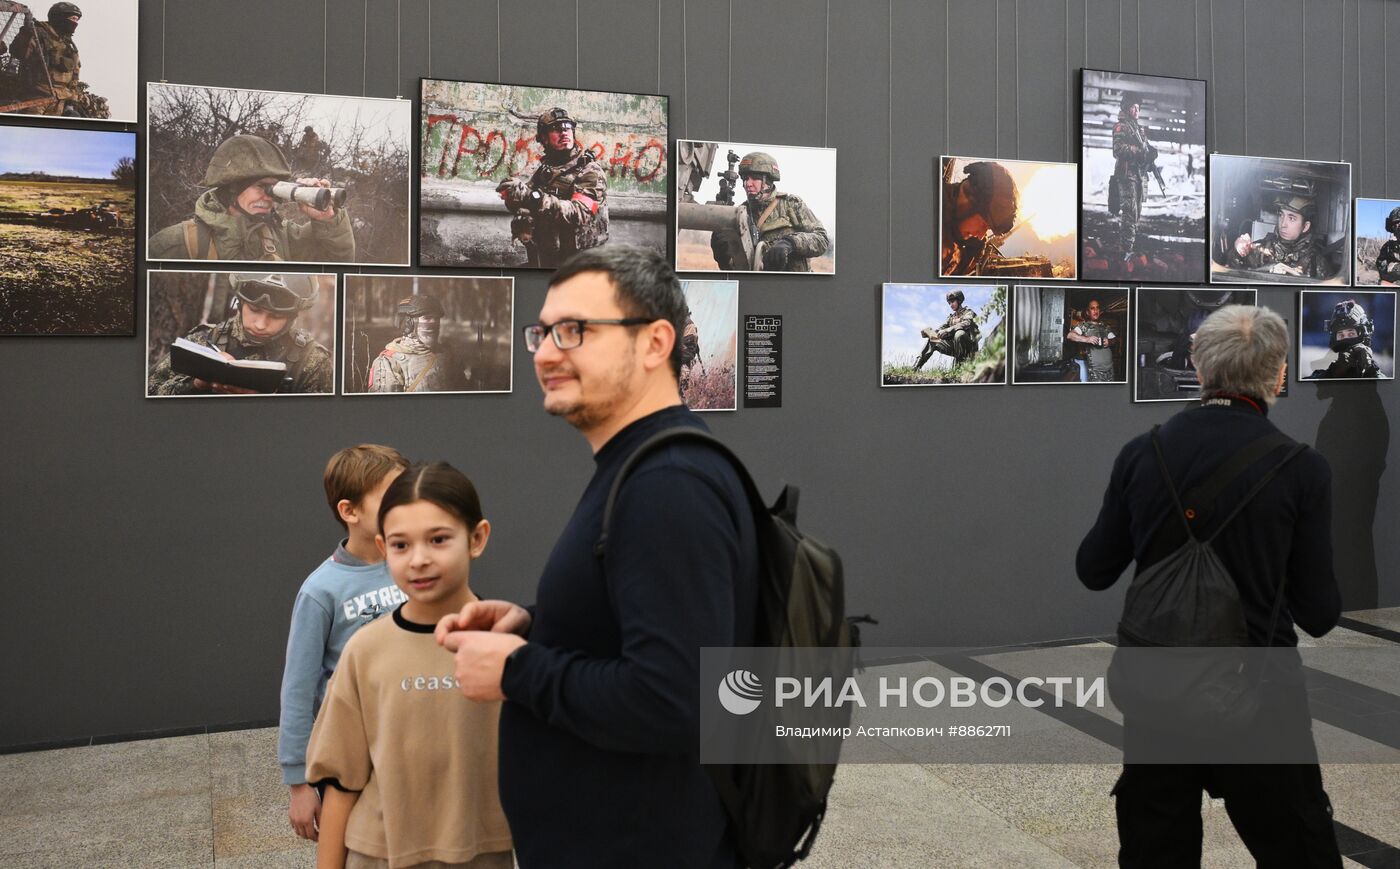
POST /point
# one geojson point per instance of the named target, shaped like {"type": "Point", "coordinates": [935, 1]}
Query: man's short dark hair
{"type": "Point", "coordinates": [993, 194]}
{"type": "Point", "coordinates": [645, 285]}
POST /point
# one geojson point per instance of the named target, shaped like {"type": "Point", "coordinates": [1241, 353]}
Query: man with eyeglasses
{"type": "Point", "coordinates": [261, 327]}
{"type": "Point", "coordinates": [600, 735]}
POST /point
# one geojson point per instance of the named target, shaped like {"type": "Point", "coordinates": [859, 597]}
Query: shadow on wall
{"type": "Point", "coordinates": [1354, 436]}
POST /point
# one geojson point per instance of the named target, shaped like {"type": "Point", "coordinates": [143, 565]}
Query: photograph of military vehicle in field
{"type": "Point", "coordinates": [247, 176]}
{"type": "Point", "coordinates": [1143, 180]}
{"type": "Point", "coordinates": [1066, 334]}
{"type": "Point", "coordinates": [1279, 221]}
{"type": "Point", "coordinates": [1346, 335]}
{"type": "Point", "coordinates": [1008, 219]}
{"type": "Point", "coordinates": [943, 334]}
{"type": "Point", "coordinates": [1165, 322]}
{"type": "Point", "coordinates": [1377, 260]}
{"type": "Point", "coordinates": [67, 233]}
{"type": "Point", "coordinates": [523, 177]}
{"type": "Point", "coordinates": [710, 345]}
{"type": "Point", "coordinates": [68, 60]}
{"type": "Point", "coordinates": [239, 333]}
{"type": "Point", "coordinates": [755, 208]}
{"type": "Point", "coordinates": [414, 334]}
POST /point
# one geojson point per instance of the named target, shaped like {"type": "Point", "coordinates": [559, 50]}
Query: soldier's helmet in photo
{"type": "Point", "coordinates": [60, 13]}
{"type": "Point", "coordinates": [1210, 300]}
{"type": "Point", "coordinates": [955, 296]}
{"type": "Point", "coordinates": [1392, 220]}
{"type": "Point", "coordinates": [241, 160]}
{"type": "Point", "coordinates": [412, 307]}
{"type": "Point", "coordinates": [284, 294]}
{"type": "Point", "coordinates": [1349, 326]}
{"type": "Point", "coordinates": [548, 120]}
{"type": "Point", "coordinates": [760, 163]}
{"type": "Point", "coordinates": [1303, 206]}
{"type": "Point", "coordinates": [993, 194]}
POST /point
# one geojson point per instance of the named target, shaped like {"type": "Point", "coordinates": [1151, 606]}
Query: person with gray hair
{"type": "Point", "coordinates": [1281, 541]}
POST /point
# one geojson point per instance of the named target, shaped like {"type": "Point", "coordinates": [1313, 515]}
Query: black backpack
{"type": "Point", "coordinates": [774, 810]}
{"type": "Point", "coordinates": [1188, 599]}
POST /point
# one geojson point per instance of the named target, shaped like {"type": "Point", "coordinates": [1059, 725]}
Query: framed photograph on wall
{"type": "Point", "coordinates": [1279, 221]}
{"type": "Point", "coordinates": [710, 345]}
{"type": "Point", "coordinates": [1070, 334]}
{"type": "Point", "coordinates": [220, 334]}
{"type": "Point", "coordinates": [514, 176]}
{"type": "Point", "coordinates": [1008, 219]}
{"type": "Point", "coordinates": [1143, 177]}
{"type": "Point", "coordinates": [752, 208]}
{"type": "Point", "coordinates": [67, 231]}
{"type": "Point", "coordinates": [415, 334]}
{"type": "Point", "coordinates": [64, 60]}
{"type": "Point", "coordinates": [249, 176]}
{"type": "Point", "coordinates": [943, 335]}
{"type": "Point", "coordinates": [1377, 260]}
{"type": "Point", "coordinates": [1165, 320]}
{"type": "Point", "coordinates": [1346, 335]}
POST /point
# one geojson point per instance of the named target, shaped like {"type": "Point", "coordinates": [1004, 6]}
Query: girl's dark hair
{"type": "Point", "coordinates": [439, 483]}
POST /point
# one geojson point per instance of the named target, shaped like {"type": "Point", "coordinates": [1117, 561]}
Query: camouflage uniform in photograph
{"type": "Point", "coordinates": [957, 337]}
{"type": "Point", "coordinates": [1388, 260]}
{"type": "Point", "coordinates": [561, 206]}
{"type": "Point", "coordinates": [51, 67]}
{"type": "Point", "coordinates": [1098, 359]}
{"type": "Point", "coordinates": [410, 363]}
{"type": "Point", "coordinates": [221, 230]}
{"type": "Point", "coordinates": [1275, 255]}
{"type": "Point", "coordinates": [791, 234]}
{"type": "Point", "coordinates": [1132, 157]}
{"type": "Point", "coordinates": [309, 365]}
{"type": "Point", "coordinates": [1349, 332]}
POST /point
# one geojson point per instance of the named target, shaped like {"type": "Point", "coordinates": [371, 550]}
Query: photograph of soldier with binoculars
{"type": "Point", "coordinates": [265, 176]}
{"type": "Point", "coordinates": [61, 60]}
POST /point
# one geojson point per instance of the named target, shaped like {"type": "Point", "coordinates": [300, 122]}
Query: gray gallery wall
{"type": "Point", "coordinates": [152, 548]}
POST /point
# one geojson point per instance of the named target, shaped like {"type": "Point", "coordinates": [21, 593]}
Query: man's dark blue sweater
{"type": "Point", "coordinates": [600, 735]}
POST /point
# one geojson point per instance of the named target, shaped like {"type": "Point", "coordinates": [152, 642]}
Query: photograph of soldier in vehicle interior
{"type": "Point", "coordinates": [1346, 335]}
{"type": "Point", "coordinates": [65, 60]}
{"type": "Point", "coordinates": [1165, 321]}
{"type": "Point", "coordinates": [943, 335]}
{"type": "Point", "coordinates": [755, 208]}
{"type": "Point", "coordinates": [1070, 334]}
{"type": "Point", "coordinates": [1279, 221]}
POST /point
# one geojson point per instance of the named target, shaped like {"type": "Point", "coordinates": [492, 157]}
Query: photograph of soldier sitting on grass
{"type": "Point", "coordinates": [710, 345]}
{"type": "Point", "coordinates": [755, 208]}
{"type": "Point", "coordinates": [943, 335]}
{"type": "Point", "coordinates": [67, 233]}
{"type": "Point", "coordinates": [1008, 219]}
{"type": "Point", "coordinates": [1070, 334]}
{"type": "Point", "coordinates": [264, 176]}
{"type": "Point", "coordinates": [407, 334]}
{"type": "Point", "coordinates": [523, 177]}
{"type": "Point", "coordinates": [1377, 242]}
{"type": "Point", "coordinates": [68, 60]}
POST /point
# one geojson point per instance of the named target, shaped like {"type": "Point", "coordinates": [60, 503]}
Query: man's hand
{"type": "Point", "coordinates": [222, 388]}
{"type": "Point", "coordinates": [481, 659]}
{"type": "Point", "coordinates": [776, 255]}
{"type": "Point", "coordinates": [304, 811]}
{"type": "Point", "coordinates": [1244, 244]}
{"type": "Point", "coordinates": [496, 616]}
{"type": "Point", "coordinates": [315, 213]}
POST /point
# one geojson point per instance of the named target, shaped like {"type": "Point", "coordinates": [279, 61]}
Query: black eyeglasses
{"type": "Point", "coordinates": [568, 334]}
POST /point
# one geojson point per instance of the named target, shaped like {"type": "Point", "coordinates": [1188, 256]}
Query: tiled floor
{"type": "Point", "coordinates": [216, 800]}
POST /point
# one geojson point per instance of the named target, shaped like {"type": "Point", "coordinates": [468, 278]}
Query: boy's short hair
{"type": "Point", "coordinates": [354, 471]}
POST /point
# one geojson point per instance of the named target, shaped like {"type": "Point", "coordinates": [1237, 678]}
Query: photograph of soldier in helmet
{"type": "Point", "coordinates": [66, 60]}
{"type": "Point", "coordinates": [413, 334]}
{"type": "Point", "coordinates": [943, 335]}
{"type": "Point", "coordinates": [1377, 259]}
{"type": "Point", "coordinates": [524, 177]}
{"type": "Point", "coordinates": [1346, 335]}
{"type": "Point", "coordinates": [1142, 200]}
{"type": "Point", "coordinates": [1165, 320]}
{"type": "Point", "coordinates": [751, 208]}
{"type": "Point", "coordinates": [1070, 334]}
{"type": "Point", "coordinates": [709, 345]}
{"type": "Point", "coordinates": [276, 317]}
{"type": "Point", "coordinates": [1279, 221]}
{"type": "Point", "coordinates": [259, 176]}
{"type": "Point", "coordinates": [1007, 218]}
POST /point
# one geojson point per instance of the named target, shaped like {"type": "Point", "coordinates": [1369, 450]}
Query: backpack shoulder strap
{"type": "Point", "coordinates": [1203, 496]}
{"type": "Point", "coordinates": [198, 242]}
{"type": "Point", "coordinates": [1249, 496]}
{"type": "Point", "coordinates": [1171, 487]}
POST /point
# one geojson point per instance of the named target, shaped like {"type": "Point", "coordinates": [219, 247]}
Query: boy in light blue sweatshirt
{"type": "Point", "coordinates": [347, 591]}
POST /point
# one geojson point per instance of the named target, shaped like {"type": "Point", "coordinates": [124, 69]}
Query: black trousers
{"type": "Point", "coordinates": [1280, 811]}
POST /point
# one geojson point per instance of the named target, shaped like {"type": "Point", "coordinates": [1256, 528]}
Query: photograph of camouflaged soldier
{"type": "Point", "coordinates": [1007, 218]}
{"type": "Point", "coordinates": [42, 70]}
{"type": "Point", "coordinates": [1377, 257]}
{"type": "Point", "coordinates": [1346, 335]}
{"type": "Point", "coordinates": [283, 318]}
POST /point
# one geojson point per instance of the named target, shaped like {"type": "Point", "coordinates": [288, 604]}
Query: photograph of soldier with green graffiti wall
{"type": "Point", "coordinates": [943, 335]}
{"type": "Point", "coordinates": [266, 333]}
{"type": "Point", "coordinates": [69, 60]}
{"type": "Point", "coordinates": [67, 231]}
{"type": "Point", "coordinates": [1067, 334]}
{"type": "Point", "coordinates": [1279, 221]}
{"type": "Point", "coordinates": [1377, 259]}
{"type": "Point", "coordinates": [755, 208]}
{"type": "Point", "coordinates": [1008, 219]}
{"type": "Point", "coordinates": [522, 177]}
{"type": "Point", "coordinates": [263, 176]}
{"type": "Point", "coordinates": [407, 334]}
{"type": "Point", "coordinates": [1346, 335]}
{"type": "Point", "coordinates": [710, 345]}
{"type": "Point", "coordinates": [1143, 184]}
{"type": "Point", "coordinates": [1165, 320]}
